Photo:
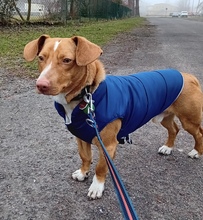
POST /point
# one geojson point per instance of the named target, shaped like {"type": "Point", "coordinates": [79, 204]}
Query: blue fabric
{"type": "Point", "coordinates": [135, 99]}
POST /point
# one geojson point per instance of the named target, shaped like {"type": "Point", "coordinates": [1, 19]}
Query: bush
{"type": "Point", "coordinates": [7, 8]}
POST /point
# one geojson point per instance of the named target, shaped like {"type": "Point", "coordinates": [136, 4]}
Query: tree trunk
{"type": "Point", "coordinates": [18, 11]}
{"type": "Point", "coordinates": [72, 8]}
{"type": "Point", "coordinates": [137, 9]}
{"type": "Point", "coordinates": [29, 10]}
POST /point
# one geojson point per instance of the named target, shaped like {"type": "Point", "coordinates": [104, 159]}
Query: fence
{"type": "Point", "coordinates": [97, 9]}
{"type": "Point", "coordinates": [62, 10]}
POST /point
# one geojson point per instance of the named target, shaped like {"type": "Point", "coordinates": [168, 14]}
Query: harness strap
{"type": "Point", "coordinates": [125, 202]}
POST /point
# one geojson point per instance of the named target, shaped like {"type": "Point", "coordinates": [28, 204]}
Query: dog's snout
{"type": "Point", "coordinates": [43, 85]}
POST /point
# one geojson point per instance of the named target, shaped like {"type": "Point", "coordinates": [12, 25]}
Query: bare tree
{"type": "Point", "coordinates": [134, 5]}
{"type": "Point", "coordinates": [29, 10]}
{"type": "Point", "coordinates": [137, 8]}
{"type": "Point", "coordinates": [17, 10]}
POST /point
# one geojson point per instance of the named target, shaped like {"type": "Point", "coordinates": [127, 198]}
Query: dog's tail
{"type": "Point", "coordinates": [195, 81]}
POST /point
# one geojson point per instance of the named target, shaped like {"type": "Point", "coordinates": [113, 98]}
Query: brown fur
{"type": "Point", "coordinates": [82, 68]}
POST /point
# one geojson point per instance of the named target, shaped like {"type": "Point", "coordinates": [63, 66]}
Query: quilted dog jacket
{"type": "Point", "coordinates": [135, 99]}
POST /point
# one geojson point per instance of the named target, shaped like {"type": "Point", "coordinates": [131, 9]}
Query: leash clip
{"type": "Point", "coordinates": [87, 104]}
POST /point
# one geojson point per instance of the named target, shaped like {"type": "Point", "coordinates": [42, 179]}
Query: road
{"type": "Point", "coordinates": [38, 155]}
{"type": "Point", "coordinates": [181, 42]}
{"type": "Point", "coordinates": [169, 43]}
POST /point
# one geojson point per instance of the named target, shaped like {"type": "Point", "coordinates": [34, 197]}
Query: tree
{"type": "Point", "coordinates": [6, 10]}
{"type": "Point", "coordinates": [117, 1]}
{"type": "Point", "coordinates": [17, 10]}
{"type": "Point", "coordinates": [137, 8]}
{"type": "Point", "coordinates": [29, 10]}
{"type": "Point", "coordinates": [134, 5]}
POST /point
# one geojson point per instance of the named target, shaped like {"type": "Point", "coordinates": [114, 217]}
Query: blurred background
{"type": "Point", "coordinates": [82, 10]}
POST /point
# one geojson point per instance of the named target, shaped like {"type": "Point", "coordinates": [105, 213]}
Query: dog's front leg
{"type": "Point", "coordinates": [109, 138]}
{"type": "Point", "coordinates": [85, 152]}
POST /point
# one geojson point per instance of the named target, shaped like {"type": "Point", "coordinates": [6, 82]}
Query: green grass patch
{"type": "Point", "coordinates": [13, 40]}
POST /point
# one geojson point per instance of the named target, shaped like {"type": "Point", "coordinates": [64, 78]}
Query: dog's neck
{"type": "Point", "coordinates": [81, 94]}
{"type": "Point", "coordinates": [68, 106]}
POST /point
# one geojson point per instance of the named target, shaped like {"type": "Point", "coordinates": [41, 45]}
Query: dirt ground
{"type": "Point", "coordinates": [38, 155]}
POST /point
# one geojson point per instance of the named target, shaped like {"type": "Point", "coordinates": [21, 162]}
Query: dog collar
{"type": "Point", "coordinates": [86, 105]}
{"type": "Point", "coordinates": [83, 92]}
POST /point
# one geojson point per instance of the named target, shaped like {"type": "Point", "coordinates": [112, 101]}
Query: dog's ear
{"type": "Point", "coordinates": [33, 48]}
{"type": "Point", "coordinates": [86, 52]}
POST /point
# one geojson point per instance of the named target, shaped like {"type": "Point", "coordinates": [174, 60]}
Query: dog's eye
{"type": "Point", "coordinates": [40, 58]}
{"type": "Point", "coordinates": [66, 60]}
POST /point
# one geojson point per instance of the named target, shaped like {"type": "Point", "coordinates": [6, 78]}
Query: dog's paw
{"type": "Point", "coordinates": [78, 175]}
{"type": "Point", "coordinates": [96, 189]}
{"type": "Point", "coordinates": [165, 150]}
{"type": "Point", "coordinates": [193, 154]}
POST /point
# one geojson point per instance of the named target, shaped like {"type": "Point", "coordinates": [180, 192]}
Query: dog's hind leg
{"type": "Point", "coordinates": [188, 108]}
{"type": "Point", "coordinates": [196, 131]}
{"type": "Point", "coordinates": [86, 157]}
{"type": "Point", "coordinates": [109, 139]}
{"type": "Point", "coordinates": [172, 128]}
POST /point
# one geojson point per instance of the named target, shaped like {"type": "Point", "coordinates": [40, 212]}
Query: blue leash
{"type": "Point", "coordinates": [126, 205]}
{"type": "Point", "coordinates": [125, 202]}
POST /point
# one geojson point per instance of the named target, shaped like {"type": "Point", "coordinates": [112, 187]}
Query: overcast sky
{"type": "Point", "coordinates": [173, 2]}
{"type": "Point", "coordinates": [145, 3]}
{"type": "Point", "coordinates": [157, 1]}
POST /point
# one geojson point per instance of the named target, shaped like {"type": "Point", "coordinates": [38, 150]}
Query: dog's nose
{"type": "Point", "coordinates": [42, 85]}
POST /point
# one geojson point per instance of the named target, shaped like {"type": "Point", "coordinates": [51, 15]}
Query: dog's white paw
{"type": "Point", "coordinates": [193, 154]}
{"type": "Point", "coordinates": [165, 150]}
{"type": "Point", "coordinates": [96, 189]}
{"type": "Point", "coordinates": [78, 175]}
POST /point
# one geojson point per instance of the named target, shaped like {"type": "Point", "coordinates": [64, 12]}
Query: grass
{"type": "Point", "coordinates": [13, 40]}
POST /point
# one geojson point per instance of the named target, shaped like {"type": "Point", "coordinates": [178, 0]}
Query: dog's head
{"type": "Point", "coordinates": [66, 65]}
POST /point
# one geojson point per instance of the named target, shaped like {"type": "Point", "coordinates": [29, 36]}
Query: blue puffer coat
{"type": "Point", "coordinates": [135, 99]}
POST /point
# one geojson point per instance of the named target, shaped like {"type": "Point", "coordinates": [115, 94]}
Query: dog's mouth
{"type": "Point", "coordinates": [41, 92]}
{"type": "Point", "coordinates": [45, 87]}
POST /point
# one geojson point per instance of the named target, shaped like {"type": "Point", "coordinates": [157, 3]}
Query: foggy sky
{"type": "Point", "coordinates": [145, 3]}
{"type": "Point", "coordinates": [173, 2]}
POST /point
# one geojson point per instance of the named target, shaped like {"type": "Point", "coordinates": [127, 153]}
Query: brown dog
{"type": "Point", "coordinates": [69, 70]}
